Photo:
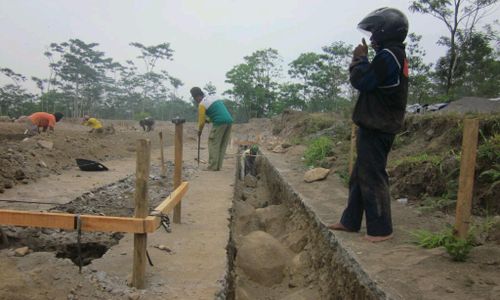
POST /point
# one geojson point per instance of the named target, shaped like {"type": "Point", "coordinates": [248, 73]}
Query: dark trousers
{"type": "Point", "coordinates": [369, 185]}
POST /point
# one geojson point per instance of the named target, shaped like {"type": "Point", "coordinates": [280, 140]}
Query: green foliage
{"type": "Point", "coordinates": [460, 19]}
{"type": "Point", "coordinates": [490, 149]}
{"type": "Point", "coordinates": [343, 173]}
{"type": "Point", "coordinates": [429, 240]}
{"type": "Point", "coordinates": [457, 248]}
{"type": "Point", "coordinates": [431, 204]}
{"type": "Point", "coordinates": [323, 77]}
{"type": "Point", "coordinates": [421, 158]}
{"type": "Point", "coordinates": [254, 83]}
{"type": "Point", "coordinates": [491, 175]}
{"type": "Point", "coordinates": [318, 150]}
{"type": "Point", "coordinates": [210, 88]}
{"type": "Point", "coordinates": [141, 115]}
{"type": "Point", "coordinates": [420, 87]}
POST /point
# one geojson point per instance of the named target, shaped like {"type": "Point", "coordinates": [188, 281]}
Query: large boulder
{"type": "Point", "coordinates": [271, 218]}
{"type": "Point", "coordinates": [245, 219]}
{"type": "Point", "coordinates": [262, 258]}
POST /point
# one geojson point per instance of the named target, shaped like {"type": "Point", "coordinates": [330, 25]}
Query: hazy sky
{"type": "Point", "coordinates": [208, 37]}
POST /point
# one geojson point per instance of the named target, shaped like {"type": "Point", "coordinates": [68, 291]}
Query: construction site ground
{"type": "Point", "coordinates": [191, 262]}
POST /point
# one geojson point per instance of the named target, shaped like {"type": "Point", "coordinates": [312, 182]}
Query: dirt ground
{"type": "Point", "coordinates": [192, 262]}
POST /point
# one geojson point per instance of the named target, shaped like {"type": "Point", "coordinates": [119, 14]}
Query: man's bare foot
{"type": "Point", "coordinates": [377, 239]}
{"type": "Point", "coordinates": [339, 227]}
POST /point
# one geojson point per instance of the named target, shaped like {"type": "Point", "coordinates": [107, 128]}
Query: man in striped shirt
{"type": "Point", "coordinates": [212, 109]}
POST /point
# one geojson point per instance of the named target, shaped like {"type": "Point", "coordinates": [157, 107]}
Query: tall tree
{"type": "Point", "coordinates": [458, 16]}
{"type": "Point", "coordinates": [254, 82]}
{"type": "Point", "coordinates": [420, 86]}
{"type": "Point", "coordinates": [154, 85]}
{"type": "Point", "coordinates": [477, 71]}
{"type": "Point", "coordinates": [210, 88]}
{"type": "Point", "coordinates": [323, 77]}
{"type": "Point", "coordinates": [81, 72]}
{"type": "Point", "coordinates": [12, 95]}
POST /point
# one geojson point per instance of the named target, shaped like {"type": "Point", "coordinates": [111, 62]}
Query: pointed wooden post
{"type": "Point", "coordinates": [178, 163]}
{"type": "Point", "coordinates": [141, 211]}
{"type": "Point", "coordinates": [163, 167]}
{"type": "Point", "coordinates": [466, 179]}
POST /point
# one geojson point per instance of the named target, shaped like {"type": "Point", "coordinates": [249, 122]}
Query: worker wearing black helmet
{"type": "Point", "coordinates": [379, 113]}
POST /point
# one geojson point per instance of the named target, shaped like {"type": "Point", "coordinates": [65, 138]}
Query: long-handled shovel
{"type": "Point", "coordinates": [199, 137]}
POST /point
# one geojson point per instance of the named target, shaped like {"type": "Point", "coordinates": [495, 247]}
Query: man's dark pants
{"type": "Point", "coordinates": [369, 185]}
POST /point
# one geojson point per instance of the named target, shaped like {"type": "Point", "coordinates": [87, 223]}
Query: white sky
{"type": "Point", "coordinates": [208, 37]}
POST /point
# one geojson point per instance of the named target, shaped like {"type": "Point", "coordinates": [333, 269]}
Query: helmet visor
{"type": "Point", "coordinates": [365, 32]}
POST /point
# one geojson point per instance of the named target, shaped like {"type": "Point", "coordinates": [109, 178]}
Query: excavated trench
{"type": "Point", "coordinates": [279, 249]}
{"type": "Point", "coordinates": [115, 199]}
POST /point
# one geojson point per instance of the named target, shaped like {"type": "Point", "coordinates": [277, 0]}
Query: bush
{"type": "Point", "coordinates": [141, 115]}
{"type": "Point", "coordinates": [318, 150]}
{"type": "Point", "coordinates": [457, 248]}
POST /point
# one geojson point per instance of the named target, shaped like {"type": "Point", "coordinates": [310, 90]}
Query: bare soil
{"type": "Point", "coordinates": [192, 263]}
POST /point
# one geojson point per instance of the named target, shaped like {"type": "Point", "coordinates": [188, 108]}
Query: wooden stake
{"type": "Point", "coordinates": [178, 164]}
{"type": "Point", "coordinates": [141, 211]}
{"type": "Point", "coordinates": [163, 167]}
{"type": "Point", "coordinates": [5, 239]}
{"type": "Point", "coordinates": [353, 148]}
{"type": "Point", "coordinates": [466, 179]}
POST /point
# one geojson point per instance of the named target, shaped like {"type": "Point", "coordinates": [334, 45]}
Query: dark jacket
{"type": "Point", "coordinates": [383, 86]}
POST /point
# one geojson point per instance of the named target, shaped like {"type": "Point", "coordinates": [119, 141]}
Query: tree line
{"type": "Point", "coordinates": [83, 80]}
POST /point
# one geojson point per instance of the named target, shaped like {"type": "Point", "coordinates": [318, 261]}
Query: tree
{"type": "Point", "coordinates": [458, 16]}
{"type": "Point", "coordinates": [13, 96]}
{"type": "Point", "coordinates": [80, 73]}
{"type": "Point", "coordinates": [420, 87]}
{"type": "Point", "coordinates": [323, 77]}
{"type": "Point", "coordinates": [254, 82]}
{"type": "Point", "coordinates": [210, 88]}
{"type": "Point", "coordinates": [477, 69]}
{"type": "Point", "coordinates": [154, 85]}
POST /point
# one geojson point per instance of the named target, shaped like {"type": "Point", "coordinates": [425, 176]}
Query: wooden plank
{"type": "Point", "coordinates": [178, 168]}
{"type": "Point", "coordinates": [466, 179]}
{"type": "Point", "coordinates": [141, 211]}
{"type": "Point", "coordinates": [171, 201]}
{"type": "Point", "coordinates": [67, 221]}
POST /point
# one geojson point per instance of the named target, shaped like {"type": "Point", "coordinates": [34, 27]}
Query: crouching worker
{"type": "Point", "coordinates": [147, 124]}
{"type": "Point", "coordinates": [249, 157]}
{"type": "Point", "coordinates": [96, 125]}
{"type": "Point", "coordinates": [41, 120]}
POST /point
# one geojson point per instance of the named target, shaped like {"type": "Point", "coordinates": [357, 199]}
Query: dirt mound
{"type": "Point", "coordinates": [425, 163]}
{"type": "Point", "coordinates": [294, 124]}
{"type": "Point", "coordinates": [473, 105]}
{"type": "Point", "coordinates": [24, 159]}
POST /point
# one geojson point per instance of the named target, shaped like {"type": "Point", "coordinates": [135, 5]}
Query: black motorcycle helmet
{"type": "Point", "coordinates": [385, 24]}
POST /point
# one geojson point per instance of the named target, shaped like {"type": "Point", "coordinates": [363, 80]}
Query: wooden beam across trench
{"type": "Point", "coordinates": [91, 222]}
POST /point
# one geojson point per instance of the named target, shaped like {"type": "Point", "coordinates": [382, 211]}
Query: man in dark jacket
{"type": "Point", "coordinates": [379, 114]}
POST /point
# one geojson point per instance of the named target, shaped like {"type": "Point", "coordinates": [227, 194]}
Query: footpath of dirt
{"type": "Point", "coordinates": [398, 268]}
